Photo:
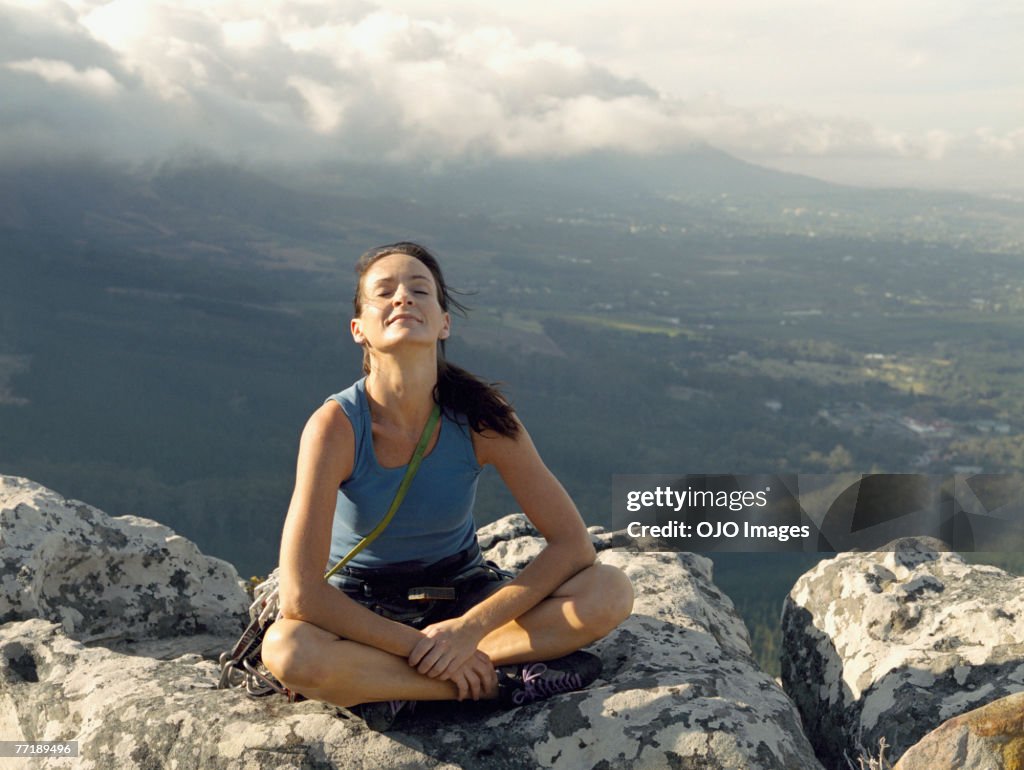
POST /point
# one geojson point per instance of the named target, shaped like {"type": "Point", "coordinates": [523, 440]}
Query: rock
{"type": "Point", "coordinates": [988, 738]}
{"type": "Point", "coordinates": [679, 689]}
{"type": "Point", "coordinates": [891, 644]}
{"type": "Point", "coordinates": [104, 577]}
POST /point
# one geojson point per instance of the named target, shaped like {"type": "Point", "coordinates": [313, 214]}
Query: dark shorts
{"type": "Point", "coordinates": [417, 594]}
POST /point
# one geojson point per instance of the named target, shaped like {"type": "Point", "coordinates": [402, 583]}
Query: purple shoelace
{"type": "Point", "coordinates": [536, 686]}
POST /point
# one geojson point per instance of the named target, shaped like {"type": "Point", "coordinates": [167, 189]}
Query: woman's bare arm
{"type": "Point", "coordinates": [326, 456]}
{"type": "Point", "coordinates": [549, 508]}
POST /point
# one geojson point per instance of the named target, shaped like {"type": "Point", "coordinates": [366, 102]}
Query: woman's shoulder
{"type": "Point", "coordinates": [490, 446]}
{"type": "Point", "coordinates": [328, 439]}
{"type": "Point", "coordinates": [329, 423]}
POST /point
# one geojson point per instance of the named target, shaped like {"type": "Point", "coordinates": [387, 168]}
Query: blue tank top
{"type": "Point", "coordinates": [435, 519]}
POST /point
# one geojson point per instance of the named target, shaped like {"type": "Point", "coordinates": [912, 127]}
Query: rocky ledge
{"type": "Point", "coordinates": [891, 645]}
{"type": "Point", "coordinates": [111, 626]}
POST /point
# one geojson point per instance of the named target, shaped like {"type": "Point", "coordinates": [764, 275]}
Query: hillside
{"type": "Point", "coordinates": [165, 332]}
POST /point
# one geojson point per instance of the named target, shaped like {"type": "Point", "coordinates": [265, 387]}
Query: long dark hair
{"type": "Point", "coordinates": [458, 391]}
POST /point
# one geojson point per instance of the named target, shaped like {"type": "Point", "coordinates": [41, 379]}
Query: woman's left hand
{"type": "Point", "coordinates": [445, 647]}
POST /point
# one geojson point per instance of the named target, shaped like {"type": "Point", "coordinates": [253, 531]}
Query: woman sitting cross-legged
{"type": "Point", "coordinates": [419, 614]}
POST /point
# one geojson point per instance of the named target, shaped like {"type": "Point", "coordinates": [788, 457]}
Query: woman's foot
{"type": "Point", "coordinates": [529, 682]}
{"type": "Point", "coordinates": [381, 715]}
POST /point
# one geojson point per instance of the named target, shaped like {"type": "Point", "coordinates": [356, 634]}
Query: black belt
{"type": "Point", "coordinates": [413, 580]}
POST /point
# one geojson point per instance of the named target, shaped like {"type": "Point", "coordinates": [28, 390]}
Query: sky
{"type": "Point", "coordinates": [925, 93]}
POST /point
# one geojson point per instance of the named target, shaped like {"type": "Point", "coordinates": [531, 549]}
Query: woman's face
{"type": "Point", "coordinates": [399, 305]}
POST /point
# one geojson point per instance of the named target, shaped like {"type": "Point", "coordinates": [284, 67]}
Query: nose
{"type": "Point", "coordinates": [402, 296]}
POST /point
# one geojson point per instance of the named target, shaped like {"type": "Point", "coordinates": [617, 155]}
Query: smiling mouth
{"type": "Point", "coordinates": [403, 318]}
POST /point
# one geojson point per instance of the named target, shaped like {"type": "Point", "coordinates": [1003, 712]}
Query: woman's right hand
{"type": "Point", "coordinates": [476, 678]}
{"type": "Point", "coordinates": [448, 650]}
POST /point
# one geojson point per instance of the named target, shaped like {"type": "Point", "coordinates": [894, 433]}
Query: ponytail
{"type": "Point", "coordinates": [482, 404]}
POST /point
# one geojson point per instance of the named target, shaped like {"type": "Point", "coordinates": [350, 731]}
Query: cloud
{"type": "Point", "coordinates": [1005, 144]}
{"type": "Point", "coordinates": [325, 107]}
{"type": "Point", "coordinates": [314, 79]}
{"type": "Point", "coordinates": [94, 79]}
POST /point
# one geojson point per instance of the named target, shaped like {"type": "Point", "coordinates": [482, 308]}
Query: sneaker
{"type": "Point", "coordinates": [381, 715]}
{"type": "Point", "coordinates": [529, 682]}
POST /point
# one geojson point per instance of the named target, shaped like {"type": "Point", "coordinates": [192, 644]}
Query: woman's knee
{"type": "Point", "coordinates": [607, 598]}
{"type": "Point", "coordinates": [288, 653]}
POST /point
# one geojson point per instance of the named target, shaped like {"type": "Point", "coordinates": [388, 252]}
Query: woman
{"type": "Point", "coordinates": [350, 646]}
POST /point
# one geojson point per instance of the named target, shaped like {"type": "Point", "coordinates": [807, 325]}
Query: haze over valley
{"type": "Point", "coordinates": [165, 331]}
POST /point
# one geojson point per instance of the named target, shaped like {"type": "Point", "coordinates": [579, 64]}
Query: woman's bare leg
{"type": "Point", "coordinates": [321, 666]}
{"type": "Point", "coordinates": [582, 610]}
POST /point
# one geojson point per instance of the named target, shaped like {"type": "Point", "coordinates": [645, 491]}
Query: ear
{"type": "Point", "coordinates": [355, 326]}
{"type": "Point", "coordinates": [446, 330]}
